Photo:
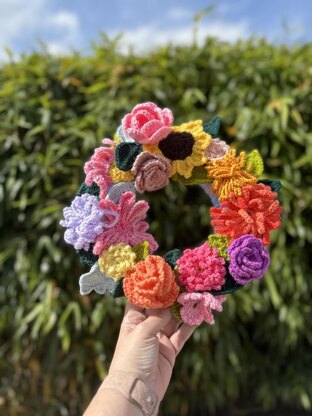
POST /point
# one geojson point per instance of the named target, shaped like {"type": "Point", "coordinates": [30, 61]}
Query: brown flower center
{"type": "Point", "coordinates": [177, 146]}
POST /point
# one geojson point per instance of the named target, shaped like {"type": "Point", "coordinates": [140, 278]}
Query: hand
{"type": "Point", "coordinates": [148, 344]}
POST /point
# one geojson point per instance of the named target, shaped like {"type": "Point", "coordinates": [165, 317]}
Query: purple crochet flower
{"type": "Point", "coordinates": [83, 220]}
{"type": "Point", "coordinates": [248, 259]}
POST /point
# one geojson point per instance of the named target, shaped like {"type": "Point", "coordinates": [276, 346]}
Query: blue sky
{"type": "Point", "coordinates": [66, 24]}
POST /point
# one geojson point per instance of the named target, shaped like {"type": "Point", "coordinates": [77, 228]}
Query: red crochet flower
{"type": "Point", "coordinates": [201, 269]}
{"type": "Point", "coordinates": [255, 212]}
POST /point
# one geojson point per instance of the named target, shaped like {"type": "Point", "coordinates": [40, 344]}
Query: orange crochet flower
{"type": "Point", "coordinates": [151, 284]}
{"type": "Point", "coordinates": [256, 212]}
{"type": "Point", "coordinates": [229, 175]}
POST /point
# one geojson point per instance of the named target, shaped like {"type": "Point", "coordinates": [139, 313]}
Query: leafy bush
{"type": "Point", "coordinates": [55, 345]}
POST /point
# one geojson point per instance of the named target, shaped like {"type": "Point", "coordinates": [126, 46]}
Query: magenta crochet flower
{"type": "Point", "coordinates": [131, 227]}
{"type": "Point", "coordinates": [147, 123]}
{"type": "Point", "coordinates": [83, 220]}
{"type": "Point", "coordinates": [216, 149]}
{"type": "Point", "coordinates": [97, 168]}
{"type": "Point", "coordinates": [201, 269]}
{"type": "Point", "coordinates": [151, 172]}
{"type": "Point", "coordinates": [248, 259]}
{"type": "Point", "coordinates": [197, 307]}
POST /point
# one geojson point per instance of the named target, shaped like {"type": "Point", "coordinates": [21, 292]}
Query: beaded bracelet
{"type": "Point", "coordinates": [107, 225]}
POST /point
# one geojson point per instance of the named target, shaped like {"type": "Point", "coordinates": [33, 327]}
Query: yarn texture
{"type": "Point", "coordinates": [117, 260]}
{"type": "Point", "coordinates": [83, 221]}
{"type": "Point", "coordinates": [151, 172]}
{"type": "Point", "coordinates": [147, 123]}
{"type": "Point", "coordinates": [97, 168]}
{"type": "Point", "coordinates": [248, 259]}
{"type": "Point", "coordinates": [131, 227]}
{"type": "Point", "coordinates": [107, 224]}
{"type": "Point", "coordinates": [228, 175]}
{"type": "Point", "coordinates": [198, 307]}
{"type": "Point", "coordinates": [255, 212]}
{"type": "Point", "coordinates": [201, 269]}
{"type": "Point", "coordinates": [216, 149]}
{"type": "Point", "coordinates": [151, 284]}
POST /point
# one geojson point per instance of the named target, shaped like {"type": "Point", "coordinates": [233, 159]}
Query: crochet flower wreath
{"type": "Point", "coordinates": [108, 227]}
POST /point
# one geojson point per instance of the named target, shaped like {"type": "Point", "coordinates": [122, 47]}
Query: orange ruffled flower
{"type": "Point", "coordinates": [151, 284]}
{"type": "Point", "coordinates": [229, 175]}
{"type": "Point", "coordinates": [256, 212]}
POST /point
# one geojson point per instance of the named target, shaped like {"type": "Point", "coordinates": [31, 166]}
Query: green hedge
{"type": "Point", "coordinates": [56, 345]}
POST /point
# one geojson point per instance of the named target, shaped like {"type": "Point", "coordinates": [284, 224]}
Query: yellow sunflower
{"type": "Point", "coordinates": [184, 147]}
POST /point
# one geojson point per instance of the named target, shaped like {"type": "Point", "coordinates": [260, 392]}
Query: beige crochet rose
{"type": "Point", "coordinates": [217, 149]}
{"type": "Point", "coordinates": [151, 172]}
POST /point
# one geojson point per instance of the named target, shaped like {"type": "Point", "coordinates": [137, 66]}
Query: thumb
{"type": "Point", "coordinates": [156, 320]}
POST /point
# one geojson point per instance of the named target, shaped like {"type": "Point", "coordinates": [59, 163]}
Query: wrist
{"type": "Point", "coordinates": [135, 389]}
{"type": "Point", "coordinates": [111, 402]}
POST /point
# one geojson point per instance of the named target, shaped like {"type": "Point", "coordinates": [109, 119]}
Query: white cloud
{"type": "Point", "coordinates": [25, 21]}
{"type": "Point", "coordinates": [65, 20]}
{"type": "Point", "coordinates": [146, 37]}
{"type": "Point", "coordinates": [179, 13]}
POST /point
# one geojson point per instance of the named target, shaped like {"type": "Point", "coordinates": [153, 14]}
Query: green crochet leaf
{"type": "Point", "coordinates": [141, 250]}
{"type": "Point", "coordinates": [118, 292]}
{"type": "Point", "coordinates": [199, 176]}
{"type": "Point", "coordinates": [93, 189]}
{"type": "Point", "coordinates": [172, 256]}
{"type": "Point", "coordinates": [254, 163]}
{"type": "Point", "coordinates": [212, 127]}
{"type": "Point", "coordinates": [275, 185]}
{"type": "Point", "coordinates": [87, 257]}
{"type": "Point", "coordinates": [229, 286]}
{"type": "Point", "coordinates": [175, 309]}
{"type": "Point", "coordinates": [125, 155]}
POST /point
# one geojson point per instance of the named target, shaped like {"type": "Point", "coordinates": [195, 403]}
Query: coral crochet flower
{"type": "Point", "coordinates": [248, 259]}
{"type": "Point", "coordinates": [151, 284]}
{"type": "Point", "coordinates": [131, 227]}
{"type": "Point", "coordinates": [228, 175]}
{"type": "Point", "coordinates": [151, 172]}
{"type": "Point", "coordinates": [117, 260]}
{"type": "Point", "coordinates": [97, 168]}
{"type": "Point", "coordinates": [185, 147]}
{"type": "Point", "coordinates": [255, 212]}
{"type": "Point", "coordinates": [83, 220]}
{"type": "Point", "coordinates": [201, 269]}
{"type": "Point", "coordinates": [148, 123]}
{"type": "Point", "coordinates": [197, 307]}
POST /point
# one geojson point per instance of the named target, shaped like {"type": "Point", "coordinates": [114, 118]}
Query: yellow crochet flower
{"type": "Point", "coordinates": [118, 175]}
{"type": "Point", "coordinates": [116, 261]}
{"type": "Point", "coordinates": [184, 147]}
{"type": "Point", "coordinates": [228, 175]}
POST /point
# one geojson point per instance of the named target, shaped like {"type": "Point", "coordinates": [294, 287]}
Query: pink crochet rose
{"type": "Point", "coordinates": [151, 172]}
{"type": "Point", "coordinates": [97, 168]}
{"type": "Point", "coordinates": [147, 123]}
{"type": "Point", "coordinates": [216, 149]}
{"type": "Point", "coordinates": [197, 307]}
{"type": "Point", "coordinates": [201, 269]}
{"type": "Point", "coordinates": [130, 228]}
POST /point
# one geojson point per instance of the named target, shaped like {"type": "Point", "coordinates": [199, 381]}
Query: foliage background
{"type": "Point", "coordinates": [55, 345]}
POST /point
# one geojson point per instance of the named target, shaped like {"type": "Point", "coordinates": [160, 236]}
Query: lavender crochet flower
{"type": "Point", "coordinates": [248, 259]}
{"type": "Point", "coordinates": [83, 220]}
